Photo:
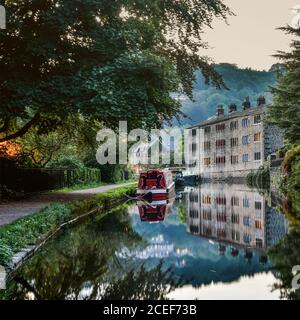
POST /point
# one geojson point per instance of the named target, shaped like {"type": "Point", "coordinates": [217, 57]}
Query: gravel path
{"type": "Point", "coordinates": [14, 210]}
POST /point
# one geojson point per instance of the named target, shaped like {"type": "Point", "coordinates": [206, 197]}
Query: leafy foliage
{"type": "Point", "coordinates": [106, 60]}
{"type": "Point", "coordinates": [285, 111]}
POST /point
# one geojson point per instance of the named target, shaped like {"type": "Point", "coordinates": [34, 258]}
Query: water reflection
{"type": "Point", "coordinates": [213, 240]}
{"type": "Point", "coordinates": [235, 216]}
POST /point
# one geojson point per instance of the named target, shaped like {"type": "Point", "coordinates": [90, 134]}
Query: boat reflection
{"type": "Point", "coordinates": [156, 211]}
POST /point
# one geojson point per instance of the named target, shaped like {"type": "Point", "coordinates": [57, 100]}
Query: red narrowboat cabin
{"type": "Point", "coordinates": [158, 183]}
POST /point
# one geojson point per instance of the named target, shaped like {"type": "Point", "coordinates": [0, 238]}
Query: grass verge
{"type": "Point", "coordinates": [33, 229]}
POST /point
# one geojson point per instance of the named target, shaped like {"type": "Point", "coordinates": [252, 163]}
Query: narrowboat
{"type": "Point", "coordinates": [157, 183]}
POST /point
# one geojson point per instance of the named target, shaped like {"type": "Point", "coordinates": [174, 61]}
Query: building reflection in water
{"type": "Point", "coordinates": [236, 217]}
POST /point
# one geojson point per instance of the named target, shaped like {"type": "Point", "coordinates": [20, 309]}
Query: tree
{"type": "Point", "coordinates": [108, 60]}
{"type": "Point", "coordinates": [285, 110]}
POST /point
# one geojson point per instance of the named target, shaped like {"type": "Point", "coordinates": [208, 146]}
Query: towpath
{"type": "Point", "coordinates": [13, 210]}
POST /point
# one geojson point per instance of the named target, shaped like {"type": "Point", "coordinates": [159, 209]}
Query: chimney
{"type": "Point", "coordinates": [246, 104]}
{"type": "Point", "coordinates": [261, 101]}
{"type": "Point", "coordinates": [220, 111]}
{"type": "Point", "coordinates": [232, 108]}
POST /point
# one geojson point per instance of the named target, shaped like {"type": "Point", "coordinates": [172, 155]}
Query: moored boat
{"type": "Point", "coordinates": [158, 183]}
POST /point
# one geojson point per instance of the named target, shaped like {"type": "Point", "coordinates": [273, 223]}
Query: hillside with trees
{"type": "Point", "coordinates": [239, 82]}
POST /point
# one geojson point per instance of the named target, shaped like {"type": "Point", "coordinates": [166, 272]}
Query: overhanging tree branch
{"type": "Point", "coordinates": [21, 132]}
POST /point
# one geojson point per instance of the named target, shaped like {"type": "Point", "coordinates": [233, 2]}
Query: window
{"type": "Point", "coordinates": [245, 123]}
{"type": "Point", "coordinates": [235, 219]}
{"type": "Point", "coordinates": [234, 142]}
{"type": "Point", "coordinates": [257, 119]}
{"type": "Point", "coordinates": [207, 130]}
{"type": "Point", "coordinates": [257, 137]}
{"type": "Point", "coordinates": [235, 201]}
{"type": "Point", "coordinates": [234, 159]}
{"type": "Point", "coordinates": [220, 127]}
{"type": "Point", "coordinates": [220, 143]}
{"type": "Point", "coordinates": [245, 140]}
{"type": "Point", "coordinates": [194, 132]}
{"type": "Point", "coordinates": [206, 145]}
{"type": "Point", "coordinates": [245, 157]}
{"type": "Point", "coordinates": [221, 217]}
{"type": "Point", "coordinates": [220, 160]}
{"type": "Point", "coordinates": [206, 200]}
{"type": "Point", "coordinates": [257, 156]}
{"type": "Point", "coordinates": [234, 125]}
{"type": "Point", "coordinates": [258, 205]}
{"type": "Point", "coordinates": [246, 203]}
{"type": "Point", "coordinates": [206, 161]}
{"type": "Point", "coordinates": [258, 224]}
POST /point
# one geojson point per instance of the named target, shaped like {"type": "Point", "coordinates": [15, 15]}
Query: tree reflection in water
{"type": "Point", "coordinates": [82, 264]}
{"type": "Point", "coordinates": [285, 256]}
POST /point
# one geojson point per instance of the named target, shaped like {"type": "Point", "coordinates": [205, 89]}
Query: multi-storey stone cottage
{"type": "Point", "coordinates": [232, 144]}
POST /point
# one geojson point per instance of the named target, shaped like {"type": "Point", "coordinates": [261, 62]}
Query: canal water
{"type": "Point", "coordinates": [212, 242]}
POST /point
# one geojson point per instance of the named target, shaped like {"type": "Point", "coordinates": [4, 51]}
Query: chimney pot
{"type": "Point", "coordinates": [220, 111]}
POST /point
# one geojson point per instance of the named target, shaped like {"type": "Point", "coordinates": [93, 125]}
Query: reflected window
{"type": "Point", "coordinates": [247, 238]}
{"type": "Point", "coordinates": [246, 221]}
{"type": "Point", "coordinates": [235, 235]}
{"type": "Point", "coordinates": [221, 233]}
{"type": "Point", "coordinates": [194, 229]}
{"type": "Point", "coordinates": [194, 214]}
{"type": "Point", "coordinates": [193, 197]}
{"type": "Point", "coordinates": [259, 243]}
{"type": "Point", "coordinates": [207, 231]}
{"type": "Point", "coordinates": [207, 214]}
{"type": "Point", "coordinates": [235, 219]}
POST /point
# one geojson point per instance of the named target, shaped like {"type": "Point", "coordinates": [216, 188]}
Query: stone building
{"type": "Point", "coordinates": [233, 144]}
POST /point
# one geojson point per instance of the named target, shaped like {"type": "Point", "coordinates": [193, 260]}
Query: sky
{"type": "Point", "coordinates": [251, 37]}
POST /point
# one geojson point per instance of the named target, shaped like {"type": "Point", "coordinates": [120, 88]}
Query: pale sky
{"type": "Point", "coordinates": [251, 38]}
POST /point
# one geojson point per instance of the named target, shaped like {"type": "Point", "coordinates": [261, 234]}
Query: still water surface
{"type": "Point", "coordinates": [213, 242]}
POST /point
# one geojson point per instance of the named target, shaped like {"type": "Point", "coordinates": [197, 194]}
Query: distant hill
{"type": "Point", "coordinates": [241, 83]}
